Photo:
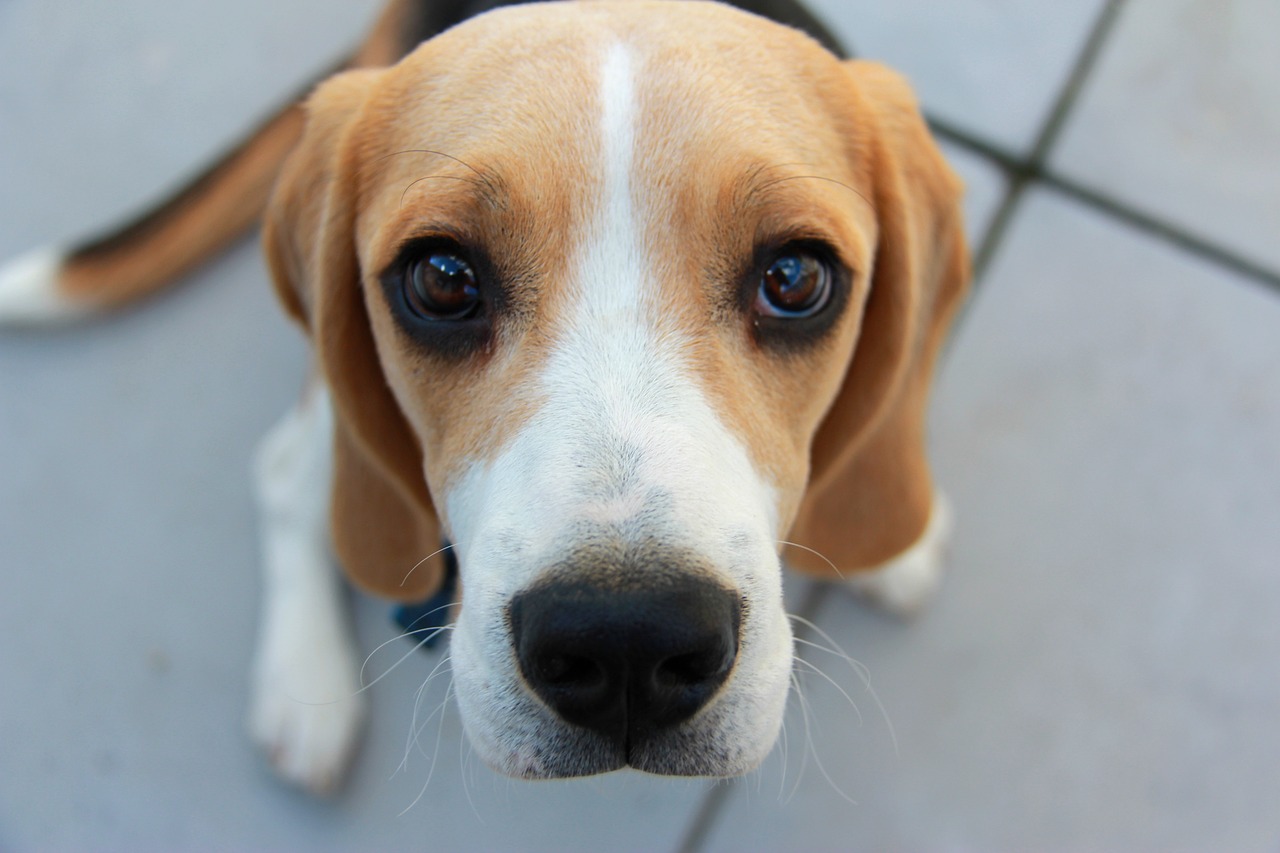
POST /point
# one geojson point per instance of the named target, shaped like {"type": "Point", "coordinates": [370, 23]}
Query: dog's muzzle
{"type": "Point", "coordinates": [629, 656]}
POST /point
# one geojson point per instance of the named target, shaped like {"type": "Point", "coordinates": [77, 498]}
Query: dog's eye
{"type": "Point", "coordinates": [442, 285]}
{"type": "Point", "coordinates": [795, 284]}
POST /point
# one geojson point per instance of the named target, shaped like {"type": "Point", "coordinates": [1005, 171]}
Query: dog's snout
{"type": "Point", "coordinates": [625, 661]}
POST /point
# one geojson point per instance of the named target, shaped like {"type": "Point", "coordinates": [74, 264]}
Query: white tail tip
{"type": "Point", "coordinates": [29, 294]}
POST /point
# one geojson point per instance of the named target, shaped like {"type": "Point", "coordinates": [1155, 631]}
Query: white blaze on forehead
{"type": "Point", "coordinates": [611, 283]}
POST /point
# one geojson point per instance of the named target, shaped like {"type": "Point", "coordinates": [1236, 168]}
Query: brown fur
{"type": "Point", "coordinates": [870, 489]}
{"type": "Point", "coordinates": [383, 522]}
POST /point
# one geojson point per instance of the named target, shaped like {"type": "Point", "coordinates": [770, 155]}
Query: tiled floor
{"type": "Point", "coordinates": [1102, 670]}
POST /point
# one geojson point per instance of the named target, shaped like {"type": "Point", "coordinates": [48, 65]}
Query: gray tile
{"type": "Point", "coordinates": [1180, 119]}
{"type": "Point", "coordinates": [984, 188]}
{"type": "Point", "coordinates": [1100, 670]}
{"type": "Point", "coordinates": [990, 68]}
{"type": "Point", "coordinates": [104, 107]}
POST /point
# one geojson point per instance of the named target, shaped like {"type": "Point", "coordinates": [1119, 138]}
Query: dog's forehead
{"type": "Point", "coordinates": [517, 92]}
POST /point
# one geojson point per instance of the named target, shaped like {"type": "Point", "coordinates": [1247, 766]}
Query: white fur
{"type": "Point", "coordinates": [623, 425]}
{"type": "Point", "coordinates": [29, 294]}
{"type": "Point", "coordinates": [907, 583]}
{"type": "Point", "coordinates": [306, 707]}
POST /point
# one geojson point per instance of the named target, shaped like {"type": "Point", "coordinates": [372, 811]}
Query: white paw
{"type": "Point", "coordinates": [906, 584]}
{"type": "Point", "coordinates": [307, 712]}
{"type": "Point", "coordinates": [29, 292]}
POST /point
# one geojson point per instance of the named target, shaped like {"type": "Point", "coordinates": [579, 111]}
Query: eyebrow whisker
{"type": "Point", "coordinates": [776, 181]}
{"type": "Point", "coordinates": [478, 183]}
{"type": "Point", "coordinates": [491, 186]}
{"type": "Point", "coordinates": [457, 160]}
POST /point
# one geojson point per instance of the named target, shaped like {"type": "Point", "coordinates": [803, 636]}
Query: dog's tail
{"type": "Point", "coordinates": [201, 219]}
{"type": "Point", "coordinates": [52, 285]}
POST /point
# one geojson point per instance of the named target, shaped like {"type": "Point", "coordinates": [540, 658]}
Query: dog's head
{"type": "Point", "coordinates": [621, 299]}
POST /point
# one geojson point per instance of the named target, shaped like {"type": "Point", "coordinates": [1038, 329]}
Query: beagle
{"type": "Point", "coordinates": [630, 303]}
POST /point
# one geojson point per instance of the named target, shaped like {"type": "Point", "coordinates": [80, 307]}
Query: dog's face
{"type": "Point", "coordinates": [613, 277]}
{"type": "Point", "coordinates": [614, 317]}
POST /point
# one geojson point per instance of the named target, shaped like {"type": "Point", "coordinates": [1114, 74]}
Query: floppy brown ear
{"type": "Point", "coordinates": [382, 519]}
{"type": "Point", "coordinates": [870, 488]}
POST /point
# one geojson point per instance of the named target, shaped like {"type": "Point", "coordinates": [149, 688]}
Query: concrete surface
{"type": "Point", "coordinates": [1101, 671]}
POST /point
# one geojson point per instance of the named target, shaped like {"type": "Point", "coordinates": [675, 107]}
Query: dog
{"type": "Point", "coordinates": [630, 303]}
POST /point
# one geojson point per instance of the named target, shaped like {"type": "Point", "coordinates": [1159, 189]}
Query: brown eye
{"type": "Point", "coordinates": [442, 286]}
{"type": "Point", "coordinates": [794, 285]}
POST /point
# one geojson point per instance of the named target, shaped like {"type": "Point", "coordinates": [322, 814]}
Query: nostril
{"type": "Point", "coordinates": [565, 670]}
{"type": "Point", "coordinates": [697, 667]}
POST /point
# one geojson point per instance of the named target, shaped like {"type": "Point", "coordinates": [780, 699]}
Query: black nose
{"type": "Point", "coordinates": [626, 659]}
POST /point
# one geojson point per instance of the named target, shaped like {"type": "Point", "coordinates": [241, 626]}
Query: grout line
{"type": "Point", "coordinates": [717, 798]}
{"type": "Point", "coordinates": [1070, 93]}
{"type": "Point", "coordinates": [708, 815]}
{"type": "Point", "coordinates": [1023, 172]}
{"type": "Point", "coordinates": [997, 226]}
{"type": "Point", "coordinates": [974, 144]}
{"type": "Point", "coordinates": [1180, 237]}
{"type": "Point", "coordinates": [1130, 214]}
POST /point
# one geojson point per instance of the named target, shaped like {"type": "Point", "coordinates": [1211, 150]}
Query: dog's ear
{"type": "Point", "coordinates": [383, 523]}
{"type": "Point", "coordinates": [870, 488]}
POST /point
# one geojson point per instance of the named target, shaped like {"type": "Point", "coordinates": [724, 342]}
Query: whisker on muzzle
{"type": "Point", "coordinates": [411, 629]}
{"type": "Point", "coordinates": [804, 745]}
{"type": "Point", "coordinates": [818, 554]}
{"type": "Point", "coordinates": [426, 635]}
{"type": "Point", "coordinates": [864, 674]}
{"type": "Point", "coordinates": [802, 666]}
{"type": "Point", "coordinates": [810, 724]}
{"type": "Point", "coordinates": [445, 666]}
{"type": "Point", "coordinates": [440, 550]}
{"type": "Point", "coordinates": [810, 666]}
{"type": "Point", "coordinates": [416, 730]}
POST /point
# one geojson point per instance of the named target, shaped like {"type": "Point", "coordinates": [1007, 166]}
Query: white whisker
{"type": "Point", "coordinates": [414, 728]}
{"type": "Point", "coordinates": [465, 752]}
{"type": "Point", "coordinates": [814, 669]}
{"type": "Point", "coordinates": [824, 557]}
{"type": "Point", "coordinates": [817, 759]}
{"type": "Point", "coordinates": [409, 629]}
{"type": "Point", "coordinates": [416, 732]}
{"type": "Point", "coordinates": [860, 669]}
{"type": "Point", "coordinates": [784, 755]}
{"type": "Point", "coordinates": [808, 738]}
{"type": "Point", "coordinates": [424, 559]}
{"type": "Point", "coordinates": [430, 632]}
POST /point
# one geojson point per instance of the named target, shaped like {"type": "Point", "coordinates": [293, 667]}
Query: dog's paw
{"type": "Point", "coordinates": [908, 583]}
{"type": "Point", "coordinates": [29, 294]}
{"type": "Point", "coordinates": [307, 712]}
